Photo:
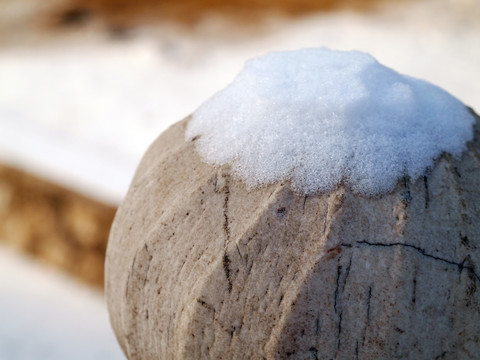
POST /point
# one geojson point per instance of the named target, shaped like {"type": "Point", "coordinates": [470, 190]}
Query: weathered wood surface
{"type": "Point", "coordinates": [198, 267]}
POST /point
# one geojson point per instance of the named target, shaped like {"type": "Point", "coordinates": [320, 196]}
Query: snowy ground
{"type": "Point", "coordinates": [82, 113]}
{"type": "Point", "coordinates": [44, 315]}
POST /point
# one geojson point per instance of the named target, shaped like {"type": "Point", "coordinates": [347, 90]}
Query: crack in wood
{"type": "Point", "coordinates": [464, 241]}
{"type": "Point", "coordinates": [427, 195]}
{"type": "Point", "coordinates": [226, 268]}
{"type": "Point", "coordinates": [414, 292]}
{"type": "Point", "coordinates": [367, 324]}
{"type": "Point", "coordinates": [336, 300]}
{"type": "Point", "coordinates": [441, 356]}
{"type": "Point", "coordinates": [407, 195]}
{"type": "Point", "coordinates": [337, 287]}
{"type": "Point", "coordinates": [461, 266]}
{"type": "Point", "coordinates": [339, 332]}
{"type": "Point", "coordinates": [206, 305]}
{"type": "Point", "coordinates": [347, 272]}
{"type": "Point", "coordinates": [369, 299]}
{"type": "Point", "coordinates": [226, 229]}
{"type": "Point", "coordinates": [226, 225]}
{"type": "Point", "coordinates": [456, 172]}
{"type": "Point", "coordinates": [150, 257]}
{"type": "Point", "coordinates": [339, 290]}
{"type": "Point", "coordinates": [238, 250]}
{"type": "Point", "coordinates": [282, 211]}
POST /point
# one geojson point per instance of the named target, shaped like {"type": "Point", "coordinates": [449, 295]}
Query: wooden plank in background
{"type": "Point", "coordinates": [54, 224]}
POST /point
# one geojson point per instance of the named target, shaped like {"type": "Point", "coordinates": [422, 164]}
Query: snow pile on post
{"type": "Point", "coordinates": [199, 266]}
{"type": "Point", "coordinates": [318, 116]}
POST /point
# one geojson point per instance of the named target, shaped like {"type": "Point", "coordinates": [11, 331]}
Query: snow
{"type": "Point", "coordinates": [84, 115]}
{"type": "Point", "coordinates": [319, 117]}
{"type": "Point", "coordinates": [82, 112]}
{"type": "Point", "coordinates": [45, 315]}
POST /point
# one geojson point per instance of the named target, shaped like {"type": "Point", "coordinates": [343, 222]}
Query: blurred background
{"type": "Point", "coordinates": [87, 85]}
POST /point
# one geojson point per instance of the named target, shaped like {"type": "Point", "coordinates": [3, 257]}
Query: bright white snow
{"type": "Point", "coordinates": [320, 117]}
{"type": "Point", "coordinates": [45, 315]}
{"type": "Point", "coordinates": [81, 111]}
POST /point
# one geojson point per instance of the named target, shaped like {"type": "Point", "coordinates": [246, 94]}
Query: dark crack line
{"type": "Point", "coordinates": [206, 305]}
{"type": "Point", "coordinates": [339, 331]}
{"type": "Point", "coordinates": [226, 228]}
{"type": "Point", "coordinates": [226, 225]}
{"type": "Point", "coordinates": [461, 266]}
{"type": "Point", "coordinates": [226, 268]}
{"type": "Point", "coordinates": [414, 292]}
{"type": "Point", "coordinates": [347, 272]}
{"type": "Point", "coordinates": [335, 303]}
{"type": "Point", "coordinates": [150, 257]}
{"type": "Point", "coordinates": [238, 250]}
{"type": "Point", "coordinates": [132, 268]}
{"type": "Point", "coordinates": [407, 195]}
{"type": "Point", "coordinates": [339, 290]}
{"type": "Point", "coordinates": [131, 274]}
{"type": "Point", "coordinates": [340, 286]}
{"type": "Point", "coordinates": [427, 195]}
{"type": "Point", "coordinates": [441, 356]}
{"type": "Point", "coordinates": [337, 287]}
{"type": "Point", "coordinates": [455, 170]}
{"type": "Point", "coordinates": [369, 300]}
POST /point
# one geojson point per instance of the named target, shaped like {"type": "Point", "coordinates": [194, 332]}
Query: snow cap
{"type": "Point", "coordinates": [319, 117]}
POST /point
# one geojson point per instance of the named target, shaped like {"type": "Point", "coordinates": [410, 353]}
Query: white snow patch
{"type": "Point", "coordinates": [81, 110]}
{"type": "Point", "coordinates": [46, 315]}
{"type": "Point", "coordinates": [84, 115]}
{"type": "Point", "coordinates": [318, 117]}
